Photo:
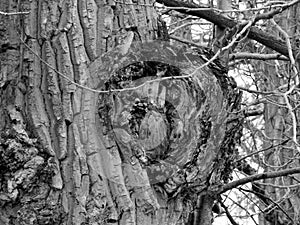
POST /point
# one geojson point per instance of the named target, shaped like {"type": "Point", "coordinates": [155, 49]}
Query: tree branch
{"type": "Point", "coordinates": [13, 13]}
{"type": "Point", "coordinates": [270, 207]}
{"type": "Point", "coordinates": [255, 177]}
{"type": "Point", "coordinates": [248, 55]}
{"type": "Point", "coordinates": [185, 41]}
{"type": "Point", "coordinates": [222, 21]}
{"type": "Point", "coordinates": [229, 216]}
{"type": "Point", "coordinates": [256, 112]}
{"type": "Point", "coordinates": [239, 55]}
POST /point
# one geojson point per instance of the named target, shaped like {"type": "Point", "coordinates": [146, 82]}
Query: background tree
{"type": "Point", "coordinates": [74, 150]}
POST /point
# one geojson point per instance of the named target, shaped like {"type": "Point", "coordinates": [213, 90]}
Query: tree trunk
{"type": "Point", "coordinates": [68, 157]}
{"type": "Point", "coordinates": [278, 125]}
{"type": "Point", "coordinates": [221, 35]}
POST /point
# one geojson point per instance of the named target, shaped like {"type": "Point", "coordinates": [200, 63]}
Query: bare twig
{"type": "Point", "coordinates": [237, 37]}
{"type": "Point", "coordinates": [229, 216]}
{"type": "Point", "coordinates": [184, 25]}
{"type": "Point", "coordinates": [182, 20]}
{"type": "Point", "coordinates": [13, 13]}
{"type": "Point", "coordinates": [257, 92]}
{"type": "Point", "coordinates": [234, 56]}
{"type": "Point", "coordinates": [280, 8]}
{"type": "Point", "coordinates": [185, 41]}
{"type": "Point", "coordinates": [256, 112]}
{"type": "Point", "coordinates": [59, 73]}
{"type": "Point", "coordinates": [136, 4]}
{"type": "Point", "coordinates": [262, 150]}
{"type": "Point", "coordinates": [258, 56]}
{"type": "Point", "coordinates": [255, 177]}
{"type": "Point", "coordinates": [279, 186]}
{"type": "Point", "coordinates": [243, 208]}
{"type": "Point", "coordinates": [271, 206]}
{"type": "Point", "coordinates": [222, 21]}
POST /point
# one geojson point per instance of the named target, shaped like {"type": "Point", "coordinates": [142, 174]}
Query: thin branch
{"type": "Point", "coordinates": [234, 40]}
{"type": "Point", "coordinates": [262, 150]}
{"type": "Point", "coordinates": [255, 177]}
{"type": "Point", "coordinates": [222, 21]}
{"type": "Point", "coordinates": [271, 206]}
{"type": "Point", "coordinates": [203, 7]}
{"type": "Point", "coordinates": [232, 221]}
{"type": "Point", "coordinates": [184, 25]}
{"type": "Point", "coordinates": [274, 12]}
{"type": "Point", "coordinates": [136, 4]}
{"type": "Point", "coordinates": [243, 208]}
{"type": "Point", "coordinates": [185, 41]}
{"type": "Point", "coordinates": [258, 56]}
{"type": "Point", "coordinates": [257, 92]}
{"type": "Point", "coordinates": [184, 19]}
{"type": "Point", "coordinates": [250, 198]}
{"type": "Point", "coordinates": [13, 13]}
{"type": "Point", "coordinates": [117, 90]}
{"type": "Point", "coordinates": [279, 186]}
{"type": "Point", "coordinates": [256, 112]}
{"type": "Point", "coordinates": [289, 48]}
{"type": "Point", "coordinates": [59, 73]}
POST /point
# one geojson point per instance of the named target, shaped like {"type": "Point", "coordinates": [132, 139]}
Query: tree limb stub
{"type": "Point", "coordinates": [224, 22]}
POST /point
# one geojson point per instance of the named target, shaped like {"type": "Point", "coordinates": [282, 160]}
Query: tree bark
{"type": "Point", "coordinates": [278, 125]}
{"type": "Point", "coordinates": [66, 159]}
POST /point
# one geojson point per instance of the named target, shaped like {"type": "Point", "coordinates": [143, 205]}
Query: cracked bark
{"type": "Point", "coordinates": [59, 165]}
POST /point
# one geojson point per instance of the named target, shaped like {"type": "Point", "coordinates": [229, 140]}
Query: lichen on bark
{"type": "Point", "coordinates": [26, 177]}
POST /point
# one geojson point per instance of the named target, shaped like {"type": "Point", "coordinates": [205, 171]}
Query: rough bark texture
{"type": "Point", "coordinates": [66, 157]}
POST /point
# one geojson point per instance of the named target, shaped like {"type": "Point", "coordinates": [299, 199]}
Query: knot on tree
{"type": "Point", "coordinates": [170, 113]}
